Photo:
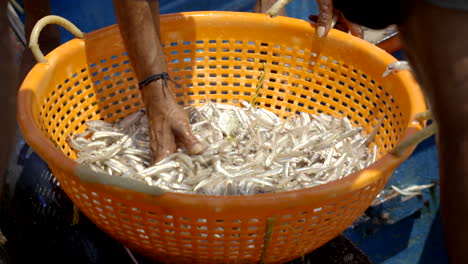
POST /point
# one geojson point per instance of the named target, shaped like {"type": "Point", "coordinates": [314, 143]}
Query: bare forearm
{"type": "Point", "coordinates": [168, 122]}
{"type": "Point", "coordinates": [136, 23]}
{"type": "Point", "coordinates": [154, 7]}
{"type": "Point", "coordinates": [437, 52]}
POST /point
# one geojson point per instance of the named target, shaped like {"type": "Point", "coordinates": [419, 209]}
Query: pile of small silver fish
{"type": "Point", "coordinates": [250, 151]}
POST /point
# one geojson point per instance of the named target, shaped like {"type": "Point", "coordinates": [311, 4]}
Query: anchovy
{"type": "Point", "coordinates": [250, 151]}
{"type": "Point", "coordinates": [397, 66]}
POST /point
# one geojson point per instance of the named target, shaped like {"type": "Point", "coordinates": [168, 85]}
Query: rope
{"type": "Point", "coordinates": [17, 6]}
{"type": "Point", "coordinates": [270, 224]}
{"type": "Point", "coordinates": [423, 116]}
{"type": "Point", "coordinates": [259, 86]}
{"type": "Point", "coordinates": [414, 140]}
{"type": "Point", "coordinates": [76, 215]}
{"type": "Point", "coordinates": [417, 138]}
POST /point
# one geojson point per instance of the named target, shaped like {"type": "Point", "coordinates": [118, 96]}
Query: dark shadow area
{"type": "Point", "coordinates": [380, 241]}
{"type": "Point", "coordinates": [340, 250]}
{"type": "Point", "coordinates": [37, 220]}
{"type": "Point", "coordinates": [434, 248]}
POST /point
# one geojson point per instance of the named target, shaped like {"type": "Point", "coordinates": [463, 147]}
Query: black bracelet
{"type": "Point", "coordinates": [160, 76]}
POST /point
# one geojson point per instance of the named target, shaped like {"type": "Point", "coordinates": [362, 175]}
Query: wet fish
{"type": "Point", "coordinates": [251, 151]}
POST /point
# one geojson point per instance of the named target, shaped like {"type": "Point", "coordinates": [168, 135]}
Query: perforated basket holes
{"type": "Point", "coordinates": [224, 71]}
{"type": "Point", "coordinates": [108, 92]}
{"type": "Point", "coordinates": [202, 238]}
{"type": "Point", "coordinates": [297, 80]}
{"type": "Point", "coordinates": [124, 221]}
{"type": "Point", "coordinates": [308, 83]}
{"type": "Point", "coordinates": [173, 234]}
{"type": "Point", "coordinates": [299, 232]}
{"type": "Point", "coordinates": [117, 93]}
{"type": "Point", "coordinates": [65, 110]}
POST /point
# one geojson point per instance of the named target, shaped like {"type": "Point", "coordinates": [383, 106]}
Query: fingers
{"type": "Point", "coordinates": [325, 17]}
{"type": "Point", "coordinates": [162, 141]}
{"type": "Point", "coordinates": [355, 29]}
{"type": "Point", "coordinates": [185, 137]}
{"type": "Point", "coordinates": [339, 22]}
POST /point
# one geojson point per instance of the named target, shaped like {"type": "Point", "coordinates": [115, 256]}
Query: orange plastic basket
{"type": "Point", "coordinates": [220, 56]}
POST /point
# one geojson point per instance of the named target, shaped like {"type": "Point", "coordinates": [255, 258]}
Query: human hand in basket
{"type": "Point", "coordinates": [168, 122]}
{"type": "Point", "coordinates": [327, 17]}
{"type": "Point", "coordinates": [169, 125]}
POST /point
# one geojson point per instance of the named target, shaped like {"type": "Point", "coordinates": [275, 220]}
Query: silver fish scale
{"type": "Point", "coordinates": [250, 151]}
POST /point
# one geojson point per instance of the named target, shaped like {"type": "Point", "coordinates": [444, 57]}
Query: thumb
{"type": "Point", "coordinates": [325, 17]}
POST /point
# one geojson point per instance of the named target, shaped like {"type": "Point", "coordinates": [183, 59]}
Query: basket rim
{"type": "Point", "coordinates": [358, 180]}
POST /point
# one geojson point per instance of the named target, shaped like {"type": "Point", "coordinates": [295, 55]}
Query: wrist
{"type": "Point", "coordinates": [151, 90]}
{"type": "Point", "coordinates": [156, 92]}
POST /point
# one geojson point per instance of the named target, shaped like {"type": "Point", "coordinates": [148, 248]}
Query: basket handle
{"type": "Point", "coordinates": [85, 173]}
{"type": "Point", "coordinates": [33, 40]}
{"type": "Point", "coordinates": [276, 7]}
{"type": "Point", "coordinates": [418, 137]}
